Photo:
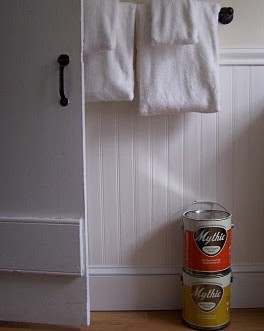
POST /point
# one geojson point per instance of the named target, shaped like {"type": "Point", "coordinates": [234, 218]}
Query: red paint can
{"type": "Point", "coordinates": [207, 238]}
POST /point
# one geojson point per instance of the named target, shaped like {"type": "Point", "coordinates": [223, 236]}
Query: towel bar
{"type": "Point", "coordinates": [226, 15]}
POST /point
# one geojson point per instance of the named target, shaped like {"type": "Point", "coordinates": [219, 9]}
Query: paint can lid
{"type": "Point", "coordinates": [206, 211]}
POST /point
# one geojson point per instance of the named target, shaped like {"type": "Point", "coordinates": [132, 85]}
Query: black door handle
{"type": "Point", "coordinates": [63, 60]}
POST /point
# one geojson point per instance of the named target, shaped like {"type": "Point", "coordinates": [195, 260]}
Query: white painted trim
{"type": "Point", "coordinates": [163, 270]}
{"type": "Point", "coordinates": [130, 271]}
{"type": "Point", "coordinates": [43, 299]}
{"type": "Point", "coordinates": [46, 246]}
{"type": "Point", "coordinates": [241, 56]}
{"type": "Point", "coordinates": [42, 220]}
{"type": "Point", "coordinates": [40, 272]}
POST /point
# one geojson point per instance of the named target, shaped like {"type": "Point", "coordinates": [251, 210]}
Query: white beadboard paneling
{"type": "Point", "coordinates": [127, 185]}
{"type": "Point", "coordinates": [208, 158]}
{"type": "Point", "coordinates": [241, 203]}
{"type": "Point", "coordinates": [158, 165]}
{"type": "Point", "coordinates": [255, 225]}
{"type": "Point", "coordinates": [159, 198]}
{"type": "Point", "coordinates": [35, 247]}
{"type": "Point", "coordinates": [95, 210]}
{"type": "Point", "coordinates": [175, 187]}
{"type": "Point", "coordinates": [109, 177]}
{"type": "Point", "coordinates": [143, 190]}
{"type": "Point", "coordinates": [224, 133]}
{"type": "Point", "coordinates": [192, 157]}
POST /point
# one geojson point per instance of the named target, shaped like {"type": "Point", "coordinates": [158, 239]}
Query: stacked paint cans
{"type": "Point", "coordinates": [207, 266]}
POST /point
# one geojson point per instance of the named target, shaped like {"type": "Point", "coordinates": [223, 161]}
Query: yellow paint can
{"type": "Point", "coordinates": [206, 300]}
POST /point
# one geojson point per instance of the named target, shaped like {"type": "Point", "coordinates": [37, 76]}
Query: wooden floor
{"type": "Point", "coordinates": [242, 320]}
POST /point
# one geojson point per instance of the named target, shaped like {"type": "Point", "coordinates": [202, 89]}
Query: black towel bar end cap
{"type": "Point", "coordinates": [226, 15]}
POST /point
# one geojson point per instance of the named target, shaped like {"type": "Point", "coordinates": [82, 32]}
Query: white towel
{"type": "Point", "coordinates": [109, 76]}
{"type": "Point", "coordinates": [100, 24]}
{"type": "Point", "coordinates": [173, 22]}
{"type": "Point", "coordinates": [179, 78]}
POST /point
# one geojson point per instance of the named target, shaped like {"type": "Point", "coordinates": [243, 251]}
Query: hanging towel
{"type": "Point", "coordinates": [173, 22]}
{"type": "Point", "coordinates": [178, 78]}
{"type": "Point", "coordinates": [100, 24]}
{"type": "Point", "coordinates": [109, 76]}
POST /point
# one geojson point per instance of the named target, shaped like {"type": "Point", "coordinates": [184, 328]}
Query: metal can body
{"type": "Point", "coordinates": [207, 240]}
{"type": "Point", "coordinates": [206, 301]}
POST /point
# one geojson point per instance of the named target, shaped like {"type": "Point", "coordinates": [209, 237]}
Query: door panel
{"type": "Point", "coordinates": [43, 299]}
{"type": "Point", "coordinates": [42, 204]}
{"type": "Point", "coordinates": [40, 141]}
{"type": "Point", "coordinates": [36, 247]}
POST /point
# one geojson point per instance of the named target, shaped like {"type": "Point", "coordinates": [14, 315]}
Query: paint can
{"type": "Point", "coordinates": [207, 238]}
{"type": "Point", "coordinates": [206, 300]}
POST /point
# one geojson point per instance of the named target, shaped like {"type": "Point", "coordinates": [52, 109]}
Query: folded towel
{"type": "Point", "coordinates": [182, 77]}
{"type": "Point", "coordinates": [109, 76]}
{"type": "Point", "coordinates": [100, 23]}
{"type": "Point", "coordinates": [173, 22]}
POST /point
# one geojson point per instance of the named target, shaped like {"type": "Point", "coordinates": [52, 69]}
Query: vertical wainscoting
{"type": "Point", "coordinates": [143, 171]}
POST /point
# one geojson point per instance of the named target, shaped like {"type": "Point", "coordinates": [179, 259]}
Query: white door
{"type": "Point", "coordinates": [43, 252]}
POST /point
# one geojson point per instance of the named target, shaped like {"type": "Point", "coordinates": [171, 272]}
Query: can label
{"type": "Point", "coordinates": [207, 297]}
{"type": "Point", "coordinates": [207, 245]}
{"type": "Point", "coordinates": [206, 300]}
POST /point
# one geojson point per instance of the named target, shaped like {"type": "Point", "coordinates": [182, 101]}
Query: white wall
{"type": "Point", "coordinates": [247, 30]}
{"type": "Point", "coordinates": [142, 172]}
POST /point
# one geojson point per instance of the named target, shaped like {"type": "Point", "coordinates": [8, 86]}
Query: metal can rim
{"type": "Point", "coordinates": [229, 215]}
{"type": "Point", "coordinates": [206, 328]}
{"type": "Point", "coordinates": [208, 275]}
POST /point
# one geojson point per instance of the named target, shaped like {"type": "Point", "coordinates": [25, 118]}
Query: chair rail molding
{"type": "Point", "coordinates": [241, 56]}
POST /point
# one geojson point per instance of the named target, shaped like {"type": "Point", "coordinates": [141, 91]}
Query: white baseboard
{"type": "Point", "coordinates": [159, 288]}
